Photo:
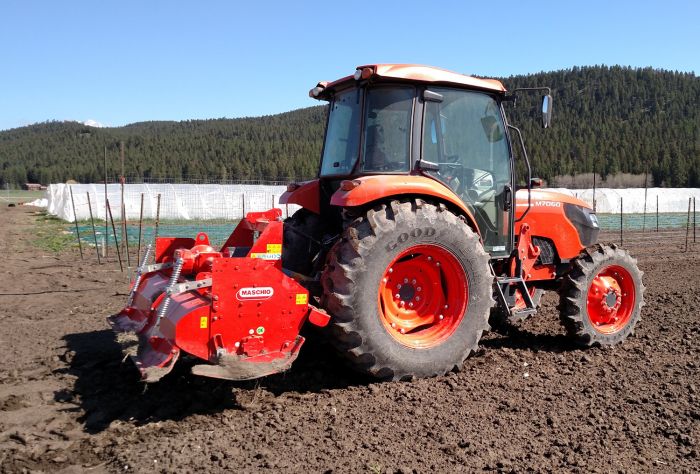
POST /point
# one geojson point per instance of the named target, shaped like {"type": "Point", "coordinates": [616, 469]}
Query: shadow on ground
{"type": "Point", "coordinates": [514, 337]}
{"type": "Point", "coordinates": [108, 388]}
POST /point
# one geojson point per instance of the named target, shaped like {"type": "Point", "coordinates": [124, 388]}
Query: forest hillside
{"type": "Point", "coordinates": [611, 119]}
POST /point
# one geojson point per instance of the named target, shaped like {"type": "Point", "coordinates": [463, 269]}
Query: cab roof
{"type": "Point", "coordinates": [417, 73]}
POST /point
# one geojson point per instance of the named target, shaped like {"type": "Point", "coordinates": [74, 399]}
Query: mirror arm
{"type": "Point", "coordinates": [529, 174]}
{"type": "Point", "coordinates": [548, 89]}
{"type": "Point", "coordinates": [427, 165]}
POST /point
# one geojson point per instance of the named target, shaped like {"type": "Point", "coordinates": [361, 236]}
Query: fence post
{"type": "Point", "coordinates": [644, 218]}
{"type": "Point", "coordinates": [243, 205]}
{"type": "Point", "coordinates": [114, 230]}
{"type": "Point", "coordinates": [94, 234]}
{"type": "Point", "coordinates": [594, 173]}
{"type": "Point", "coordinates": [693, 219]}
{"type": "Point", "coordinates": [138, 248]}
{"type": "Point", "coordinates": [155, 233]}
{"type": "Point", "coordinates": [106, 247]}
{"type": "Point", "coordinates": [75, 218]}
{"type": "Point", "coordinates": [621, 221]}
{"type": "Point", "coordinates": [687, 225]}
{"type": "Point", "coordinates": [657, 212]}
{"type": "Point", "coordinates": [125, 229]}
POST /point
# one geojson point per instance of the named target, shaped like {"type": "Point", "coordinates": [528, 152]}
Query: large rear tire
{"type": "Point", "coordinates": [601, 298]}
{"type": "Point", "coordinates": [409, 289]}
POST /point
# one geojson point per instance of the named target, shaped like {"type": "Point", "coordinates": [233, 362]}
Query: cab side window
{"type": "Point", "coordinates": [465, 135]}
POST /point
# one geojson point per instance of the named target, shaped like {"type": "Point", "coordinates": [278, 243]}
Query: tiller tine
{"type": "Point", "coordinates": [128, 320]}
{"type": "Point", "coordinates": [155, 358]}
{"type": "Point", "coordinates": [235, 309]}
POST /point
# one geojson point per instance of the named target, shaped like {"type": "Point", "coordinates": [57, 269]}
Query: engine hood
{"type": "Point", "coordinates": [542, 197]}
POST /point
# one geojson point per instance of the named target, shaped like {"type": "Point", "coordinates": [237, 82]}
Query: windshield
{"type": "Point", "coordinates": [386, 140]}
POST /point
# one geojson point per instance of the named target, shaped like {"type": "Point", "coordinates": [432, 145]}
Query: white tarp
{"type": "Point", "coordinates": [608, 200]}
{"type": "Point", "coordinates": [230, 201]}
{"type": "Point", "coordinates": [177, 201]}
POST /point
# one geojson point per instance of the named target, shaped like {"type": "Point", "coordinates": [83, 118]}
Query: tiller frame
{"type": "Point", "coordinates": [236, 308]}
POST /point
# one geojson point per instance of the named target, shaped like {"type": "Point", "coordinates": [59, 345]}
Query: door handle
{"type": "Point", "coordinates": [508, 197]}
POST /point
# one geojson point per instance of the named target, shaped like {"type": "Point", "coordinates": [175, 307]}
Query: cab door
{"type": "Point", "coordinates": [464, 134]}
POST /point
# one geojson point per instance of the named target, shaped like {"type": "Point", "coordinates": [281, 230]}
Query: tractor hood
{"type": "Point", "coordinates": [543, 197]}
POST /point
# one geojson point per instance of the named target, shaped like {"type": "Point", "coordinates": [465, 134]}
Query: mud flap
{"type": "Point", "coordinates": [243, 367]}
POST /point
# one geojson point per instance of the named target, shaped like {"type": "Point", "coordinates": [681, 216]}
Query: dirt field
{"type": "Point", "coordinates": [528, 401]}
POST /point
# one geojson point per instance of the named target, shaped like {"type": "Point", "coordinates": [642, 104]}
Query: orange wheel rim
{"type": "Point", "coordinates": [611, 298]}
{"type": "Point", "coordinates": [423, 296]}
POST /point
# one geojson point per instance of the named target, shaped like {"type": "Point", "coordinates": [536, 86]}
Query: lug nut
{"type": "Point", "coordinates": [418, 288]}
{"type": "Point", "coordinates": [441, 317]}
{"type": "Point", "coordinates": [391, 270]}
{"type": "Point", "coordinates": [397, 296]}
{"type": "Point", "coordinates": [413, 281]}
{"type": "Point", "coordinates": [402, 304]}
{"type": "Point", "coordinates": [446, 306]}
{"type": "Point", "coordinates": [405, 280]}
{"type": "Point", "coordinates": [437, 263]}
{"type": "Point", "coordinates": [238, 344]}
{"type": "Point", "coordinates": [384, 280]}
{"type": "Point", "coordinates": [417, 298]}
{"type": "Point", "coordinates": [410, 305]}
{"type": "Point", "coordinates": [393, 325]}
{"type": "Point", "coordinates": [398, 287]}
{"type": "Point", "coordinates": [403, 331]}
{"type": "Point", "coordinates": [430, 258]}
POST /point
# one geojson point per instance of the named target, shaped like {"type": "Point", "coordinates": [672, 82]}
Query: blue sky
{"type": "Point", "coordinates": [118, 62]}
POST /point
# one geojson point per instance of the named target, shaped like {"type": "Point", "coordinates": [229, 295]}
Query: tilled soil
{"type": "Point", "coordinates": [529, 400]}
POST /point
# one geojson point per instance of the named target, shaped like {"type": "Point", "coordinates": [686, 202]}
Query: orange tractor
{"type": "Point", "coordinates": [414, 232]}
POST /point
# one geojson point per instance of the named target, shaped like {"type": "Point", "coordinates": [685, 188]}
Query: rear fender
{"type": "Point", "coordinates": [304, 194]}
{"type": "Point", "coordinates": [377, 188]}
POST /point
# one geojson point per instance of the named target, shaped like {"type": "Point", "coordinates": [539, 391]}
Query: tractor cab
{"type": "Point", "coordinates": [424, 122]}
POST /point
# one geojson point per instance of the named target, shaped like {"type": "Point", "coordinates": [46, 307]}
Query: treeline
{"type": "Point", "coordinates": [606, 119]}
{"type": "Point", "coordinates": [612, 120]}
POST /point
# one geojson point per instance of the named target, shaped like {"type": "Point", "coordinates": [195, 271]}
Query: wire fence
{"type": "Point", "coordinates": [118, 222]}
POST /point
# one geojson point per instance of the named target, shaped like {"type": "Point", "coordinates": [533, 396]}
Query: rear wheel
{"type": "Point", "coordinates": [602, 296]}
{"type": "Point", "coordinates": [409, 288]}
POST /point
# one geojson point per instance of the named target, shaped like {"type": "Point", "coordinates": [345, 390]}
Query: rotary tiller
{"type": "Point", "coordinates": [234, 308]}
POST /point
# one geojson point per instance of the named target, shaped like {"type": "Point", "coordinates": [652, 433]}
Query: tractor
{"type": "Point", "coordinates": [424, 221]}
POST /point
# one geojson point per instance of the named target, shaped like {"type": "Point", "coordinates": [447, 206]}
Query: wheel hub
{"type": "Point", "coordinates": [610, 299]}
{"type": "Point", "coordinates": [423, 295]}
{"type": "Point", "coordinates": [407, 292]}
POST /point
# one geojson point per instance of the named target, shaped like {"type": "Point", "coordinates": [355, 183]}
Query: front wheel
{"type": "Point", "coordinates": [602, 296]}
{"type": "Point", "coordinates": [409, 289]}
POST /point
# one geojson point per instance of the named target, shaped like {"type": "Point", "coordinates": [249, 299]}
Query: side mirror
{"type": "Point", "coordinates": [546, 110]}
{"type": "Point", "coordinates": [536, 183]}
